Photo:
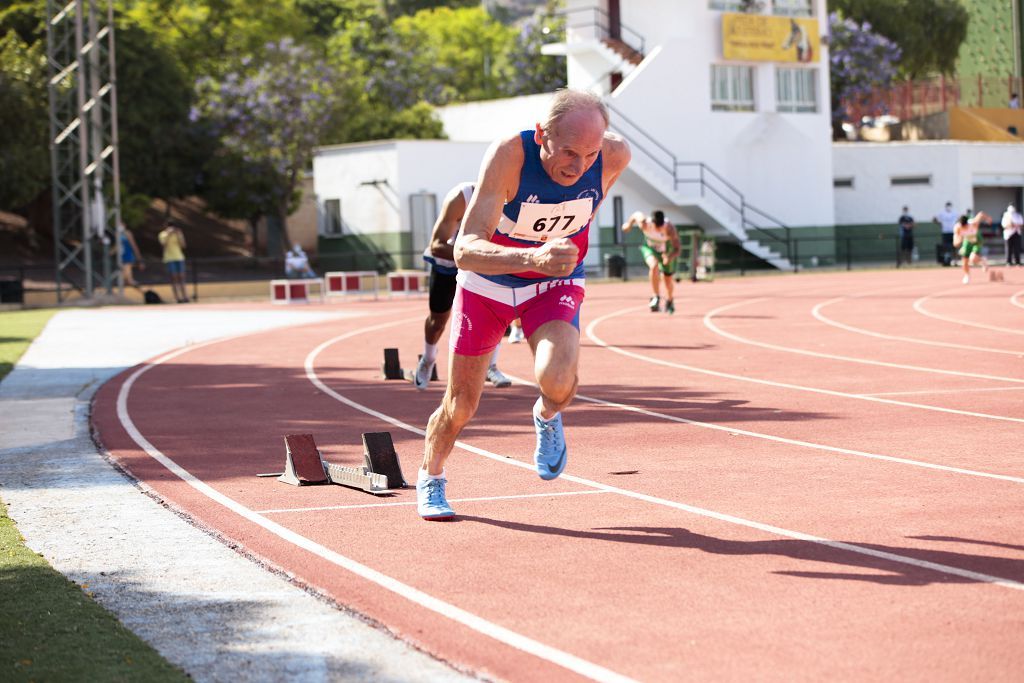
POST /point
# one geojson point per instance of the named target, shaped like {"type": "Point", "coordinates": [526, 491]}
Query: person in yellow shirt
{"type": "Point", "coordinates": [173, 241]}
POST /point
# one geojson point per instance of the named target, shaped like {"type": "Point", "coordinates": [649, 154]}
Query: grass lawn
{"type": "Point", "coordinates": [50, 628]}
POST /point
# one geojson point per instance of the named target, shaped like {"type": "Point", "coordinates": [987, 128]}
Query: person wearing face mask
{"type": "Point", "coordinates": [946, 219]}
{"type": "Point", "coordinates": [520, 255]}
{"type": "Point", "coordinates": [1012, 224]}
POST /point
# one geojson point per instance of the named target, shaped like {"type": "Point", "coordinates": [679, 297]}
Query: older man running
{"type": "Point", "coordinates": [520, 254]}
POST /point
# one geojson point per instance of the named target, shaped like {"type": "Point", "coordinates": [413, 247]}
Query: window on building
{"type": "Point", "coordinates": [728, 5]}
{"type": "Point", "coordinates": [911, 180]}
{"type": "Point", "coordinates": [796, 90]}
{"type": "Point", "coordinates": [332, 217]}
{"type": "Point", "coordinates": [793, 8]}
{"type": "Point", "coordinates": [842, 182]}
{"type": "Point", "coordinates": [732, 88]}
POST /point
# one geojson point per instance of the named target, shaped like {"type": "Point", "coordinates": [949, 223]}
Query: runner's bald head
{"type": "Point", "coordinates": [569, 102]}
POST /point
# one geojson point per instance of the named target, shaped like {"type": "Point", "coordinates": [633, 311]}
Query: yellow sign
{"type": "Point", "coordinates": [758, 37]}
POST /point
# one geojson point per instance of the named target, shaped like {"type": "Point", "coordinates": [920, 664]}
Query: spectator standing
{"type": "Point", "coordinates": [906, 226]}
{"type": "Point", "coordinates": [1014, 101]}
{"type": "Point", "coordinates": [131, 256]}
{"type": "Point", "coordinates": [172, 239]}
{"type": "Point", "coordinates": [946, 219]}
{"type": "Point", "coordinates": [1013, 224]}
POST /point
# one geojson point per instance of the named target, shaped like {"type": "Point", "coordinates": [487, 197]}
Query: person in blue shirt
{"type": "Point", "coordinates": [131, 256]}
{"type": "Point", "coordinates": [520, 255]}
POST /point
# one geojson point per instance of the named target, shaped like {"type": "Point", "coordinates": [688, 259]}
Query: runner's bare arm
{"type": "Point", "coordinates": [452, 211]}
{"type": "Point", "coordinates": [616, 154]}
{"type": "Point", "coordinates": [635, 220]}
{"type": "Point", "coordinates": [499, 178]}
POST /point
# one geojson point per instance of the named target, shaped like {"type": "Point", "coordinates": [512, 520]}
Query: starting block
{"type": "Point", "coordinates": [392, 368]}
{"type": "Point", "coordinates": [408, 374]}
{"type": "Point", "coordinates": [995, 275]}
{"type": "Point", "coordinates": [304, 465]}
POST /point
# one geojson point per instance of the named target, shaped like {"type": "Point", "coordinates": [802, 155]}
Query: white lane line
{"type": "Point", "coordinates": [1016, 299]}
{"type": "Point", "coordinates": [784, 440]}
{"type": "Point", "coordinates": [781, 385]}
{"type": "Point", "coordinates": [816, 312]}
{"type": "Point", "coordinates": [942, 391]}
{"type": "Point", "coordinates": [412, 502]}
{"type": "Point", "coordinates": [919, 307]}
{"type": "Point", "coordinates": [709, 323]}
{"type": "Point", "coordinates": [479, 624]}
{"type": "Point", "coordinates": [731, 519]}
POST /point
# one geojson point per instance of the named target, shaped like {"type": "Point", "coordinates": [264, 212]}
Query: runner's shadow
{"type": "Point", "coordinates": [895, 573]}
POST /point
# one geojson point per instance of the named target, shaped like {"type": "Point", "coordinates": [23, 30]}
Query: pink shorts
{"type": "Point", "coordinates": [481, 315]}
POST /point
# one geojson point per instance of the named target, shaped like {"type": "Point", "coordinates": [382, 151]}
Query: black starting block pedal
{"type": "Point", "coordinates": [379, 456]}
{"type": "Point", "coordinates": [304, 465]}
{"type": "Point", "coordinates": [392, 367]}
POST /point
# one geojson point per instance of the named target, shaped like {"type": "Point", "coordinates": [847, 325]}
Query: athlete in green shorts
{"type": "Point", "coordinates": [660, 250]}
{"type": "Point", "coordinates": [967, 234]}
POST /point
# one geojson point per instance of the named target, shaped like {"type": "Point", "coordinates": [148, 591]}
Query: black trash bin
{"type": "Point", "coordinates": [12, 290]}
{"type": "Point", "coordinates": [614, 265]}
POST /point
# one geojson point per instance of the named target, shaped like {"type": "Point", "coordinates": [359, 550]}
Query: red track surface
{"type": "Point", "coordinates": [735, 509]}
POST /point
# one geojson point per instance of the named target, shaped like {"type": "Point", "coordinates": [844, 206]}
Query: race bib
{"type": "Point", "coordinates": [545, 222]}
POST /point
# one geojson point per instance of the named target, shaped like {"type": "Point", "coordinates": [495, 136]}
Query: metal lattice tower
{"type": "Point", "coordinates": [83, 147]}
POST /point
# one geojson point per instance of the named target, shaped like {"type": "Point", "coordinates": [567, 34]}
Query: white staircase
{"type": "Point", "coordinates": [708, 200]}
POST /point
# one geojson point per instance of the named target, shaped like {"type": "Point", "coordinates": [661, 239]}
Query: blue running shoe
{"type": "Point", "coordinates": [430, 500]}
{"type": "Point", "coordinates": [550, 455]}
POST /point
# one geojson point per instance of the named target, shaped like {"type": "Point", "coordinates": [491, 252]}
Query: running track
{"type": "Point", "coordinates": [796, 477]}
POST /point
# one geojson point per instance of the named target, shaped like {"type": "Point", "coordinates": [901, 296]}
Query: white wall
{"type": "Point", "coordinates": [339, 173]}
{"type": "Point", "coordinates": [493, 119]}
{"type": "Point", "coordinates": [954, 167]}
{"type": "Point", "coordinates": [779, 161]}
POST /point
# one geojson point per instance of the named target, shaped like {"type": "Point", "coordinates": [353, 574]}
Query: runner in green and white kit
{"type": "Point", "coordinates": [660, 249]}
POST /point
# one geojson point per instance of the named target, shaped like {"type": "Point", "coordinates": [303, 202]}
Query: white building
{"type": "Point", "coordinates": [728, 116]}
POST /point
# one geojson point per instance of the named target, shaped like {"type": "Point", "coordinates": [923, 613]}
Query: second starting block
{"type": "Point", "coordinates": [380, 473]}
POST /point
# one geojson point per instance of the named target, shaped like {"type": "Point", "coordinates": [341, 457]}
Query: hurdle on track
{"type": "Point", "coordinates": [407, 282]}
{"type": "Point", "coordinates": [296, 291]}
{"type": "Point", "coordinates": [351, 283]}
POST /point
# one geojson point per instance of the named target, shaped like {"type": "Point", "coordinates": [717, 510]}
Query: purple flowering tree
{"type": "Point", "coordinates": [266, 117]}
{"type": "Point", "coordinates": [860, 61]}
{"type": "Point", "coordinates": [533, 72]}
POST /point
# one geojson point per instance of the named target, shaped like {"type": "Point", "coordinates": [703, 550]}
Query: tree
{"type": "Point", "coordinates": [533, 72]}
{"type": "Point", "coordinates": [929, 32]}
{"type": "Point", "coordinates": [207, 37]}
{"type": "Point", "coordinates": [24, 159]}
{"type": "Point", "coordinates": [860, 61]}
{"type": "Point", "coordinates": [160, 152]}
{"type": "Point", "coordinates": [266, 117]}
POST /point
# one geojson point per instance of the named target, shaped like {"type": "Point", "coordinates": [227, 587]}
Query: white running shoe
{"type": "Point", "coordinates": [516, 335]}
{"type": "Point", "coordinates": [422, 376]}
{"type": "Point", "coordinates": [967, 279]}
{"type": "Point", "coordinates": [495, 377]}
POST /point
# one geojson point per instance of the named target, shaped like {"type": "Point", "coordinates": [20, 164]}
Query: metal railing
{"type": "Point", "coordinates": [709, 183]}
{"type": "Point", "coordinates": [601, 21]}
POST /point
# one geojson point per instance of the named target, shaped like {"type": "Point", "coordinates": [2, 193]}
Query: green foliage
{"type": "Point", "coordinates": [397, 8]}
{"type": "Point", "coordinates": [928, 32]}
{"type": "Point", "coordinates": [159, 151]}
{"type": "Point", "coordinates": [265, 117]}
{"type": "Point", "coordinates": [208, 36]}
{"type": "Point", "coordinates": [24, 128]}
{"type": "Point", "coordinates": [53, 631]}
